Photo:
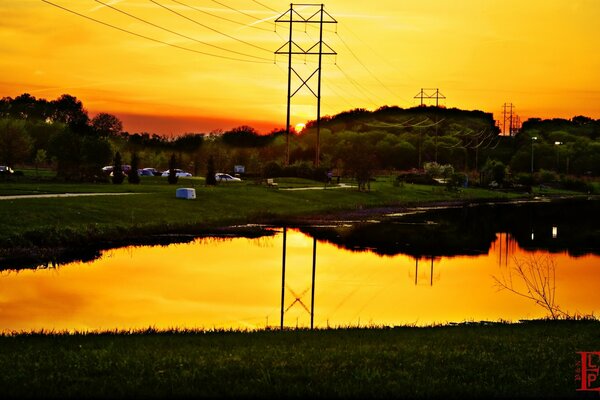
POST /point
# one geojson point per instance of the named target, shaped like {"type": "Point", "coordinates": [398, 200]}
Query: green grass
{"type": "Point", "coordinates": [153, 209]}
{"type": "Point", "coordinates": [535, 359]}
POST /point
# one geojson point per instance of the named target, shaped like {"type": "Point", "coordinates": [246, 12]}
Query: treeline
{"type": "Point", "coordinates": [59, 133]}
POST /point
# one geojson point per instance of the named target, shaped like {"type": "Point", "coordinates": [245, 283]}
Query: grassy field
{"type": "Point", "coordinates": [153, 208]}
{"type": "Point", "coordinates": [532, 359]}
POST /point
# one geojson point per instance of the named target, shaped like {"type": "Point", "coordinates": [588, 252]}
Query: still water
{"type": "Point", "coordinates": [237, 282]}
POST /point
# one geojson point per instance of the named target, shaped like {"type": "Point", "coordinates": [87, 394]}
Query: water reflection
{"type": "Point", "coordinates": [236, 283]}
{"type": "Point", "coordinates": [418, 269]}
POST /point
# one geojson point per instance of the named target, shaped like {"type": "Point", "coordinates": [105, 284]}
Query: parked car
{"type": "Point", "coordinates": [145, 172]}
{"type": "Point", "coordinates": [153, 171]}
{"type": "Point", "coordinates": [178, 172]}
{"type": "Point", "coordinates": [109, 169]}
{"type": "Point", "coordinates": [221, 177]}
{"type": "Point", "coordinates": [6, 170]}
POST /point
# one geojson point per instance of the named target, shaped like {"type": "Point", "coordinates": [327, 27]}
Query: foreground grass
{"type": "Point", "coordinates": [534, 359]}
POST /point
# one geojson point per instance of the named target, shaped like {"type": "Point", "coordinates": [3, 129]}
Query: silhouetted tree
{"type": "Point", "coordinates": [117, 177]}
{"type": "Point", "coordinates": [69, 110]}
{"type": "Point", "coordinates": [105, 125]}
{"type": "Point", "coordinates": [172, 173]}
{"type": "Point", "coordinates": [211, 179]}
{"type": "Point", "coordinates": [133, 176]}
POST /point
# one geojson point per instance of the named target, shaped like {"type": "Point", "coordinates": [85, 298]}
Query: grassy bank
{"type": "Point", "coordinates": [533, 359]}
{"type": "Point", "coordinates": [154, 209]}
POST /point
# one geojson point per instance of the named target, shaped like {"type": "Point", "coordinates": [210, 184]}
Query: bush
{"type": "Point", "coordinates": [301, 169]}
{"type": "Point", "coordinates": [211, 179]}
{"type": "Point", "coordinates": [417, 178]}
{"type": "Point", "coordinates": [172, 178]}
{"type": "Point", "coordinates": [455, 181]}
{"type": "Point", "coordinates": [524, 179]}
{"type": "Point", "coordinates": [578, 185]}
{"type": "Point", "coordinates": [272, 170]}
{"type": "Point", "coordinates": [546, 176]}
{"type": "Point", "coordinates": [117, 177]}
{"type": "Point", "coordinates": [133, 176]}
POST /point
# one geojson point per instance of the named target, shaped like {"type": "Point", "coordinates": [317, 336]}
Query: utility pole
{"type": "Point", "coordinates": [293, 16]}
{"type": "Point", "coordinates": [507, 117]}
{"type": "Point", "coordinates": [430, 94]}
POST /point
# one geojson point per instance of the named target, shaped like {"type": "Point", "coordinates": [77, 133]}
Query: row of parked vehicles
{"type": "Point", "coordinates": [221, 177]}
{"type": "Point", "coordinates": [145, 171]}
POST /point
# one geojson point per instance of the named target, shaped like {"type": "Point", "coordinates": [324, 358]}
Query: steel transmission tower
{"type": "Point", "coordinates": [430, 94]}
{"type": "Point", "coordinates": [293, 16]}
{"type": "Point", "coordinates": [508, 116]}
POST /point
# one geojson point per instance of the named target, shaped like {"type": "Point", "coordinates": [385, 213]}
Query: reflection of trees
{"type": "Point", "coordinates": [538, 274]}
{"type": "Point", "coordinates": [472, 230]}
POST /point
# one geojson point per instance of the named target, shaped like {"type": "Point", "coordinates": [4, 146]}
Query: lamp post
{"type": "Point", "coordinates": [557, 162]}
{"type": "Point", "coordinates": [534, 138]}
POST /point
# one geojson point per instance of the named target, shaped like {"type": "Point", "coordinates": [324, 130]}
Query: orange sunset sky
{"type": "Point", "coordinates": [190, 72]}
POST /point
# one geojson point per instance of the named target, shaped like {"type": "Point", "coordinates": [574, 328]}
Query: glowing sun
{"type": "Point", "coordinates": [300, 127]}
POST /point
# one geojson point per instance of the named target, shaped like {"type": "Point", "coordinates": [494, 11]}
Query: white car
{"type": "Point", "coordinates": [178, 173]}
{"type": "Point", "coordinates": [221, 177]}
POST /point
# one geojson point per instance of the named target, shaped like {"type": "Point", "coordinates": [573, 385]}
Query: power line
{"type": "Point", "coordinates": [178, 34]}
{"type": "Point", "coordinates": [267, 7]}
{"type": "Point", "coordinates": [239, 11]}
{"type": "Point", "coordinates": [151, 39]}
{"type": "Point", "coordinates": [358, 86]}
{"type": "Point", "coordinates": [208, 27]}
{"type": "Point", "coordinates": [365, 67]}
{"type": "Point", "coordinates": [220, 17]}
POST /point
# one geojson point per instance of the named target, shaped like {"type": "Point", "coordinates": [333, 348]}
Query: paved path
{"type": "Point", "coordinates": [44, 196]}
{"type": "Point", "coordinates": [340, 186]}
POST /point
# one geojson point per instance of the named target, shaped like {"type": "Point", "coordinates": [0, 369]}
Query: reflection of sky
{"type": "Point", "coordinates": [237, 283]}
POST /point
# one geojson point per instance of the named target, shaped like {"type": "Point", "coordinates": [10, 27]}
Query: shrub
{"type": "Point", "coordinates": [172, 178]}
{"type": "Point", "coordinates": [117, 177]}
{"type": "Point", "coordinates": [546, 176]}
{"type": "Point", "coordinates": [133, 176]}
{"type": "Point", "coordinates": [417, 178]}
{"type": "Point", "coordinates": [211, 179]}
{"type": "Point", "coordinates": [578, 185]}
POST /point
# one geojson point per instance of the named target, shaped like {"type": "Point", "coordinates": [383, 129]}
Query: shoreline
{"type": "Point", "coordinates": [33, 256]}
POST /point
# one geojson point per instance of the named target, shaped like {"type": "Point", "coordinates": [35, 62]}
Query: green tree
{"type": "Point", "coordinates": [40, 158]}
{"type": "Point", "coordinates": [15, 143]}
{"type": "Point", "coordinates": [117, 173]}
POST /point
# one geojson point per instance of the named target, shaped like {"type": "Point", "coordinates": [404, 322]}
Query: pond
{"type": "Point", "coordinates": [425, 267]}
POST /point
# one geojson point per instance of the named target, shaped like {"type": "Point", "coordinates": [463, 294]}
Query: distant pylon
{"type": "Point", "coordinates": [430, 94]}
{"type": "Point", "coordinates": [319, 17]}
{"type": "Point", "coordinates": [507, 116]}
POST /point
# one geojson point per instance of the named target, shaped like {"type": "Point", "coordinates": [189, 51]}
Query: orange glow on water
{"type": "Point", "coordinates": [237, 284]}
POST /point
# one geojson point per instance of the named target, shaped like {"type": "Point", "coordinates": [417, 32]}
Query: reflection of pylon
{"type": "Point", "coordinates": [298, 299]}
{"type": "Point", "coordinates": [433, 277]}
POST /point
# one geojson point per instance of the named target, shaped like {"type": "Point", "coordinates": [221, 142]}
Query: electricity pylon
{"type": "Point", "coordinates": [293, 16]}
{"type": "Point", "coordinates": [429, 94]}
{"type": "Point", "coordinates": [508, 116]}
